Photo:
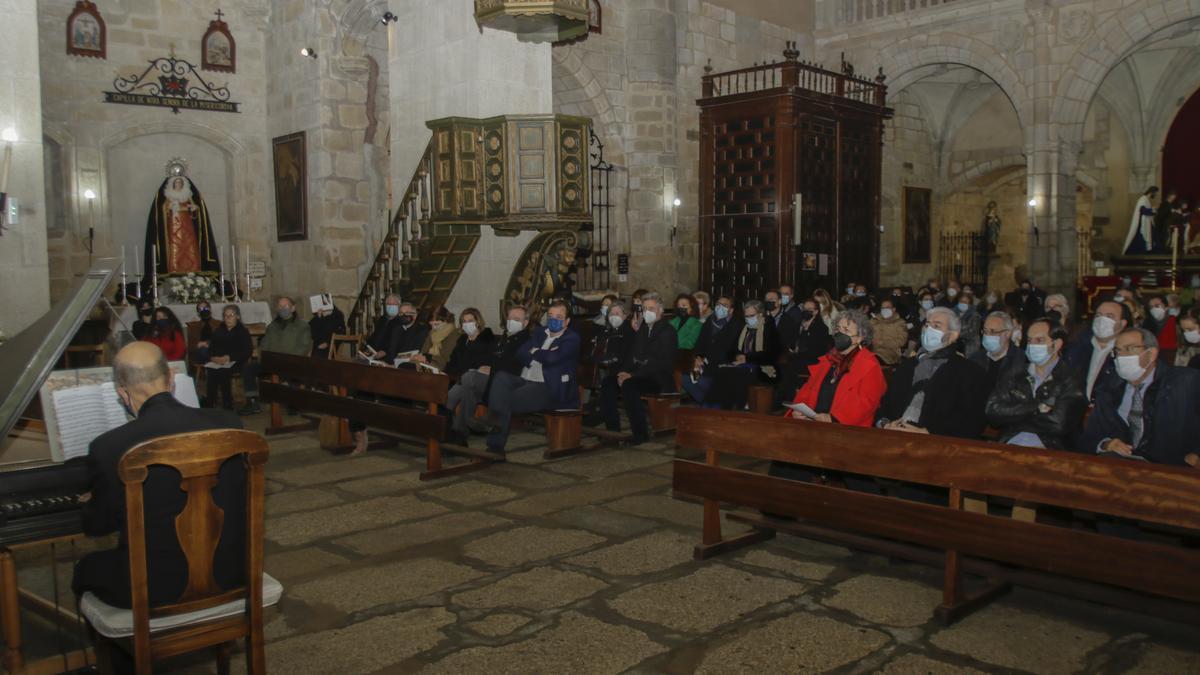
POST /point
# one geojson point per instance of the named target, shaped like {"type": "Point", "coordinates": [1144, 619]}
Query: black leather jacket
{"type": "Point", "coordinates": [1014, 408]}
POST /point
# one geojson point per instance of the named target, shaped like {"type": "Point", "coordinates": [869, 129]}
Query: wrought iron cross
{"type": "Point", "coordinates": [220, 14]}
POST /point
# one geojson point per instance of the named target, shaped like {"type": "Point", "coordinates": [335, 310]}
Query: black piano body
{"type": "Point", "coordinates": [41, 503]}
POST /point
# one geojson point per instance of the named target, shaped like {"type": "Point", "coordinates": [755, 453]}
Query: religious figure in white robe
{"type": "Point", "coordinates": [1140, 239]}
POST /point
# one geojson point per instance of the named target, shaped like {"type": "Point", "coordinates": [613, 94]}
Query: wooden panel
{"type": "Point", "coordinates": [409, 422]}
{"type": "Point", "coordinates": [1153, 568]}
{"type": "Point", "coordinates": [1161, 494]}
{"type": "Point", "coordinates": [394, 382]}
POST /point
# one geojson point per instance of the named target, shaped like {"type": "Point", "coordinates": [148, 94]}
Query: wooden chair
{"type": "Point", "coordinates": [205, 615]}
{"type": "Point", "coordinates": [338, 341]}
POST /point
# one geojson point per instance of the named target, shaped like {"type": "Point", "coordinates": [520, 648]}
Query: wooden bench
{"type": "Point", "coordinates": [288, 373]}
{"type": "Point", "coordinates": [1148, 576]}
{"type": "Point", "coordinates": [660, 411]}
{"type": "Point", "coordinates": [760, 398]}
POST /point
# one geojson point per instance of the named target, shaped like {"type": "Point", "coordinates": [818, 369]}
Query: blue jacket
{"type": "Point", "coordinates": [559, 364]}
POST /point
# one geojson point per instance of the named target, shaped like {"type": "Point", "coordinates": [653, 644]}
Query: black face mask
{"type": "Point", "coordinates": [206, 314]}
{"type": "Point", "coordinates": [405, 320]}
{"type": "Point", "coordinates": [842, 342]}
{"type": "Point", "coordinates": [162, 324]}
{"type": "Point", "coordinates": [770, 304]}
{"type": "Point", "coordinates": [1054, 315]}
{"type": "Point", "coordinates": [806, 315]}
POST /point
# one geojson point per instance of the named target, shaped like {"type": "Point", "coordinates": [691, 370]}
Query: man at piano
{"type": "Point", "coordinates": [144, 385]}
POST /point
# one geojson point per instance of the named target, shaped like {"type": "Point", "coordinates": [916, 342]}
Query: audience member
{"type": "Point", "coordinates": [144, 325]}
{"type": "Point", "coordinates": [1151, 412]}
{"type": "Point", "coordinates": [470, 363]}
{"type": "Point", "coordinates": [286, 333]}
{"type": "Point", "coordinates": [507, 356]}
{"type": "Point", "coordinates": [607, 301]}
{"type": "Point", "coordinates": [789, 321]}
{"type": "Point", "coordinates": [1027, 301]}
{"type": "Point", "coordinates": [998, 354]}
{"type": "Point", "coordinates": [440, 341]}
{"type": "Point", "coordinates": [950, 299]}
{"type": "Point", "coordinates": [890, 330]}
{"type": "Point", "coordinates": [972, 323]}
{"type": "Point", "coordinates": [230, 349]}
{"type": "Point", "coordinates": [703, 305]}
{"type": "Point", "coordinates": [613, 342]}
{"type": "Point", "coordinates": [636, 301]}
{"type": "Point", "coordinates": [199, 333]}
{"type": "Point", "coordinates": [322, 327]}
{"type": "Point", "coordinates": [992, 303]}
{"type": "Point", "coordinates": [829, 308]}
{"type": "Point", "coordinates": [547, 381]}
{"type": "Point", "coordinates": [714, 347]}
{"type": "Point", "coordinates": [167, 334]}
{"type": "Point", "coordinates": [1188, 352]}
{"type": "Point", "coordinates": [1091, 352]}
{"type": "Point", "coordinates": [756, 351]}
{"type": "Point", "coordinates": [1162, 324]}
{"type": "Point", "coordinates": [845, 385]}
{"type": "Point", "coordinates": [686, 325]}
{"type": "Point", "coordinates": [812, 341]}
{"type": "Point", "coordinates": [648, 369]}
{"type": "Point", "coordinates": [1042, 405]}
{"type": "Point", "coordinates": [938, 391]}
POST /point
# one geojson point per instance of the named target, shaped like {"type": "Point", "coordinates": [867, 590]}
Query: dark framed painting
{"type": "Point", "coordinates": [917, 225]}
{"type": "Point", "coordinates": [595, 17]}
{"type": "Point", "coordinates": [86, 33]}
{"type": "Point", "coordinates": [291, 187]}
{"type": "Point", "coordinates": [218, 50]}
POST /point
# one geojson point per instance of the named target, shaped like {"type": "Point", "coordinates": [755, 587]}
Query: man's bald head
{"type": "Point", "coordinates": [141, 369]}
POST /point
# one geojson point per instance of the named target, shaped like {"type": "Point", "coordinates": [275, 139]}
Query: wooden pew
{"type": "Point", "coordinates": [1148, 576]}
{"type": "Point", "coordinates": [342, 378]}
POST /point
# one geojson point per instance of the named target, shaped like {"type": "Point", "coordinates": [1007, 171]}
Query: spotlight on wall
{"type": "Point", "coordinates": [9, 135]}
{"type": "Point", "coordinates": [387, 18]}
{"type": "Point", "coordinates": [1033, 202]}
{"type": "Point", "coordinates": [309, 52]}
{"type": "Point", "coordinates": [678, 202]}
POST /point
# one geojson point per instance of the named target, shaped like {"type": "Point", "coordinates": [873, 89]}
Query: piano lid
{"type": "Point", "coordinates": [27, 359]}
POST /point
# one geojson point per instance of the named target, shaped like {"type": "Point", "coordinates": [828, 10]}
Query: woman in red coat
{"type": "Point", "coordinates": [168, 334]}
{"type": "Point", "coordinates": [846, 385]}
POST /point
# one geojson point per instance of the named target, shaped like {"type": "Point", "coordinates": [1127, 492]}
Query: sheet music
{"type": "Point", "coordinates": [802, 409]}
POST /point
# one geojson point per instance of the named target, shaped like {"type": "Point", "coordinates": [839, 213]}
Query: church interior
{"type": "Point", "coordinates": [971, 178]}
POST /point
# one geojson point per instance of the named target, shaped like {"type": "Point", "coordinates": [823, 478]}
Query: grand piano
{"type": "Point", "coordinates": [38, 495]}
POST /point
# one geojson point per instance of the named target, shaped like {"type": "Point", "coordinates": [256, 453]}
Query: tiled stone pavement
{"type": "Point", "coordinates": [584, 565]}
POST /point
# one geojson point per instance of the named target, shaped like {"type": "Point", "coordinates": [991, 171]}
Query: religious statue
{"type": "Point", "coordinates": [991, 229]}
{"type": "Point", "coordinates": [1140, 239]}
{"type": "Point", "coordinates": [179, 237]}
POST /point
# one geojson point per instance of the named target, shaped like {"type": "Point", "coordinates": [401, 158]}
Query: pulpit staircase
{"type": "Point", "coordinates": [418, 261]}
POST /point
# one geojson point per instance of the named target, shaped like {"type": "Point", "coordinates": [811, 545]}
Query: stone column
{"type": "Point", "coordinates": [1053, 252]}
{"type": "Point", "coordinates": [24, 271]}
{"type": "Point", "coordinates": [441, 64]}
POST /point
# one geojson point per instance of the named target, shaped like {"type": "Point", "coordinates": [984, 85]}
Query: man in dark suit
{"type": "Point", "coordinates": [648, 369]}
{"type": "Point", "coordinates": [549, 360]}
{"type": "Point", "coordinates": [999, 354]}
{"type": "Point", "coordinates": [144, 384]}
{"type": "Point", "coordinates": [1091, 352]}
{"type": "Point", "coordinates": [397, 331]}
{"type": "Point", "coordinates": [1028, 301]}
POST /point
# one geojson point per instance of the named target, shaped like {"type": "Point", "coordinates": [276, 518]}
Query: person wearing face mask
{"type": "Point", "coordinates": [472, 353]}
{"type": "Point", "coordinates": [145, 388]}
{"type": "Point", "coordinates": [1042, 405]}
{"type": "Point", "coordinates": [756, 352]}
{"type": "Point", "coordinates": [1057, 308]}
{"type": "Point", "coordinates": [992, 303]}
{"type": "Point", "coordinates": [286, 333]}
{"type": "Point", "coordinates": [396, 332]}
{"type": "Point", "coordinates": [829, 308]}
{"type": "Point", "coordinates": [322, 327]}
{"type": "Point", "coordinates": [846, 384]}
{"type": "Point", "coordinates": [998, 353]}
{"type": "Point", "coordinates": [1163, 324]}
{"type": "Point", "coordinates": [506, 354]}
{"type": "Point", "coordinates": [614, 342]}
{"type": "Point", "coordinates": [440, 341]}
{"type": "Point", "coordinates": [1188, 352]}
{"type": "Point", "coordinates": [703, 305]}
{"type": "Point", "coordinates": [891, 333]}
{"type": "Point", "coordinates": [550, 359]}
{"type": "Point", "coordinates": [789, 321]}
{"type": "Point", "coordinates": [168, 334]}
{"type": "Point", "coordinates": [926, 301]}
{"type": "Point", "coordinates": [648, 369]}
{"type": "Point", "coordinates": [199, 333]}
{"type": "Point", "coordinates": [144, 326]}
{"type": "Point", "coordinates": [1151, 412]}
{"type": "Point", "coordinates": [714, 348]}
{"type": "Point", "coordinates": [385, 328]}
{"type": "Point", "coordinates": [686, 325]}
{"type": "Point", "coordinates": [636, 301]}
{"type": "Point", "coordinates": [811, 342]}
{"type": "Point", "coordinates": [1027, 300]}
{"type": "Point", "coordinates": [230, 348]}
{"type": "Point", "coordinates": [601, 319]}
{"type": "Point", "coordinates": [1091, 352]}
{"type": "Point", "coordinates": [950, 298]}
{"type": "Point", "coordinates": [972, 323]}
{"type": "Point", "coordinates": [938, 391]}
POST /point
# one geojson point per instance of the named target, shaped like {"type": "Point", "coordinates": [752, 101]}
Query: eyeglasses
{"type": "Point", "coordinates": [1129, 350]}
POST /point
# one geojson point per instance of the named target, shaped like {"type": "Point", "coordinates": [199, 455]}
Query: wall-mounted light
{"type": "Point", "coordinates": [9, 136]}
{"type": "Point", "coordinates": [90, 196]}
{"type": "Point", "coordinates": [678, 202]}
{"type": "Point", "coordinates": [309, 52]}
{"type": "Point", "coordinates": [1033, 203]}
{"type": "Point", "coordinates": [387, 18]}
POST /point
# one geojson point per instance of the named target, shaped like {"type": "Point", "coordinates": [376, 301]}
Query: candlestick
{"type": "Point", "coordinates": [124, 279]}
{"type": "Point", "coordinates": [154, 274]}
{"type": "Point", "coordinates": [233, 254]}
{"type": "Point", "coordinates": [221, 266]}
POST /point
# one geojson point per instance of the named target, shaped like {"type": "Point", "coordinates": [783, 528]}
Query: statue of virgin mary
{"type": "Point", "coordinates": [179, 237]}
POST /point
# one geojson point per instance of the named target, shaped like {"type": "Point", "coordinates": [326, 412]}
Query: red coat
{"type": "Point", "coordinates": [858, 393]}
{"type": "Point", "coordinates": [172, 344]}
{"type": "Point", "coordinates": [1168, 333]}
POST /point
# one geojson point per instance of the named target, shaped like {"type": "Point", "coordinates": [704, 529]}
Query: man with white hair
{"type": "Point", "coordinates": [999, 353]}
{"type": "Point", "coordinates": [938, 391]}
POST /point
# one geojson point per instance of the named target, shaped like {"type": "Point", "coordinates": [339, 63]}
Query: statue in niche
{"type": "Point", "coordinates": [991, 229]}
{"type": "Point", "coordinates": [179, 237]}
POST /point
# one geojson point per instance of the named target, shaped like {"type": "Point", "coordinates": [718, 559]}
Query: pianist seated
{"type": "Point", "coordinates": [144, 386]}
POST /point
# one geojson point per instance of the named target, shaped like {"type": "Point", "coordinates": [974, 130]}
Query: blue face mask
{"type": "Point", "coordinates": [555, 325]}
{"type": "Point", "coordinates": [392, 310]}
{"type": "Point", "coordinates": [721, 311]}
{"type": "Point", "coordinates": [1037, 354]}
{"type": "Point", "coordinates": [992, 343]}
{"type": "Point", "coordinates": [752, 322]}
{"type": "Point", "coordinates": [963, 307]}
{"type": "Point", "coordinates": [931, 339]}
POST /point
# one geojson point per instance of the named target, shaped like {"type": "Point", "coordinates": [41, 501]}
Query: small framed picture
{"type": "Point", "coordinates": [218, 50]}
{"type": "Point", "coordinates": [86, 33]}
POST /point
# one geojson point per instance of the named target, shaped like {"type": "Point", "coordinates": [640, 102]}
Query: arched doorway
{"type": "Point", "coordinates": [1181, 162]}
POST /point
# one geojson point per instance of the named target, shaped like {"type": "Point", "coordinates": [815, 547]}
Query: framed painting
{"type": "Point", "coordinates": [218, 50]}
{"type": "Point", "coordinates": [595, 17]}
{"type": "Point", "coordinates": [917, 218]}
{"type": "Point", "coordinates": [291, 187]}
{"type": "Point", "coordinates": [86, 32]}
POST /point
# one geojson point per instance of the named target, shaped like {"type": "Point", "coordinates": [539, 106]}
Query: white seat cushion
{"type": "Point", "coordinates": [113, 622]}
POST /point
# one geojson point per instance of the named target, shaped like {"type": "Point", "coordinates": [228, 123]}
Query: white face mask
{"type": "Point", "coordinates": [616, 321]}
{"type": "Point", "coordinates": [1130, 367]}
{"type": "Point", "coordinates": [1173, 311]}
{"type": "Point", "coordinates": [886, 312]}
{"type": "Point", "coordinates": [1192, 336]}
{"type": "Point", "coordinates": [951, 292]}
{"type": "Point", "coordinates": [1118, 298]}
{"type": "Point", "coordinates": [991, 299]}
{"type": "Point", "coordinates": [470, 328]}
{"type": "Point", "coordinates": [926, 305]}
{"type": "Point", "coordinates": [649, 316]}
{"type": "Point", "coordinates": [603, 310]}
{"type": "Point", "coordinates": [1103, 327]}
{"type": "Point", "coordinates": [1159, 313]}
{"type": "Point", "coordinates": [514, 326]}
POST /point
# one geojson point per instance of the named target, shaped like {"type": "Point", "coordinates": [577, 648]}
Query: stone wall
{"type": "Point", "coordinates": [24, 273]}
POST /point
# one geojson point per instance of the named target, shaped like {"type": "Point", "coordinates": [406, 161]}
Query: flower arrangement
{"type": "Point", "coordinates": [190, 288]}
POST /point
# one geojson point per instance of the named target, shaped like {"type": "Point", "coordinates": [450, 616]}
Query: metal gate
{"type": "Point", "coordinates": [595, 244]}
{"type": "Point", "coordinates": [962, 257]}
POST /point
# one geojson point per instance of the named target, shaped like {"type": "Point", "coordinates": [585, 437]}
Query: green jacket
{"type": "Point", "coordinates": [288, 337]}
{"type": "Point", "coordinates": [688, 333]}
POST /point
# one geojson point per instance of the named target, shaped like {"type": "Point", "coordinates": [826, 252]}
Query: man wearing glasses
{"type": "Point", "coordinates": [1151, 412]}
{"type": "Point", "coordinates": [999, 353]}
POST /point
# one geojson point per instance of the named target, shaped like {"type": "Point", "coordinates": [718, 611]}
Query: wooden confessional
{"type": "Point", "coordinates": [778, 136]}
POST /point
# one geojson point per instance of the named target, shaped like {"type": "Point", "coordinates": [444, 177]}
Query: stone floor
{"type": "Point", "coordinates": [584, 565]}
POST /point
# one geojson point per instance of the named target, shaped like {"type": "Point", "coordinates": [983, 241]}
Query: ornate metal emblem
{"type": "Point", "coordinates": [174, 83]}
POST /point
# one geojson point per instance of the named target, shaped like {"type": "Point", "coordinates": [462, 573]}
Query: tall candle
{"type": "Point", "coordinates": [233, 254]}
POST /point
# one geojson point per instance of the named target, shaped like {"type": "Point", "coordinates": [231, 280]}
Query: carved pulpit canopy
{"type": "Point", "coordinates": [535, 20]}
